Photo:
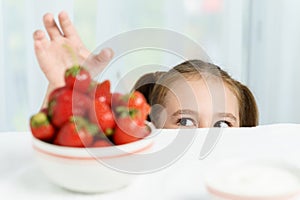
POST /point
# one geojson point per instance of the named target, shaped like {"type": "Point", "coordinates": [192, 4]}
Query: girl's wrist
{"type": "Point", "coordinates": [51, 87]}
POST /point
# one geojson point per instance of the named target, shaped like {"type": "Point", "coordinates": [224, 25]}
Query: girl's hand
{"type": "Point", "coordinates": [53, 56]}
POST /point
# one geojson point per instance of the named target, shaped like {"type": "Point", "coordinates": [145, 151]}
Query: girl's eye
{"type": "Point", "coordinates": [222, 124]}
{"type": "Point", "coordinates": [186, 122]}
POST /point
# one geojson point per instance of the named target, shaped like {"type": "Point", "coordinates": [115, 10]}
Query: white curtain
{"type": "Point", "coordinates": [2, 82]}
{"type": "Point", "coordinates": [274, 66]}
{"type": "Point", "coordinates": [218, 25]}
{"type": "Point", "coordinates": [22, 83]}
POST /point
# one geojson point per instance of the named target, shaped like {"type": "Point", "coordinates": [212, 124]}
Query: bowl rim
{"type": "Point", "coordinates": [85, 153]}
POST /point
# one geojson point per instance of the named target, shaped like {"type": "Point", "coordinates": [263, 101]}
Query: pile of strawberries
{"type": "Point", "coordinates": [84, 113]}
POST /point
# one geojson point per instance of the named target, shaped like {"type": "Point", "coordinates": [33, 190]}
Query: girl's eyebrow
{"type": "Point", "coordinates": [185, 111]}
{"type": "Point", "coordinates": [227, 115]}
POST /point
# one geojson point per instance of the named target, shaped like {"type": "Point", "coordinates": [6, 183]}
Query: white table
{"type": "Point", "coordinates": [21, 178]}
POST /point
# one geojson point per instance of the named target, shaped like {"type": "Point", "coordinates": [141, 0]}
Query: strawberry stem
{"type": "Point", "coordinates": [73, 71]}
{"type": "Point", "coordinates": [109, 132]}
{"type": "Point", "coordinates": [82, 123]}
{"type": "Point", "coordinates": [124, 111]}
{"type": "Point", "coordinates": [121, 109]}
{"type": "Point", "coordinates": [92, 129]}
{"type": "Point", "coordinates": [39, 119]}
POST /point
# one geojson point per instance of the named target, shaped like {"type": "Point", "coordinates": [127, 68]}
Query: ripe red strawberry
{"type": "Point", "coordinates": [128, 130]}
{"type": "Point", "coordinates": [102, 115]}
{"type": "Point", "coordinates": [139, 102]}
{"type": "Point", "coordinates": [67, 103]}
{"type": "Point", "coordinates": [144, 112]}
{"type": "Point", "coordinates": [44, 110]}
{"type": "Point", "coordinates": [102, 143]}
{"type": "Point", "coordinates": [56, 92]}
{"type": "Point", "coordinates": [103, 93]}
{"type": "Point", "coordinates": [78, 78]}
{"type": "Point", "coordinates": [133, 105]}
{"type": "Point", "coordinates": [136, 100]}
{"type": "Point", "coordinates": [41, 127]}
{"type": "Point", "coordinates": [77, 132]}
{"type": "Point", "coordinates": [138, 115]}
{"type": "Point", "coordinates": [117, 99]}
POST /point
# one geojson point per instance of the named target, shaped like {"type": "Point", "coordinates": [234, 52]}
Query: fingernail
{"type": "Point", "coordinates": [108, 52]}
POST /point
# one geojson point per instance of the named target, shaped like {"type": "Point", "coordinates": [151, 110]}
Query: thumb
{"type": "Point", "coordinates": [104, 56]}
{"type": "Point", "coordinates": [99, 61]}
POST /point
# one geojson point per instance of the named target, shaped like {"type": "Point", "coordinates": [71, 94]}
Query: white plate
{"type": "Point", "coordinates": [241, 179]}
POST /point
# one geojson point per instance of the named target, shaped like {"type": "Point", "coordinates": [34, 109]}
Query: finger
{"type": "Point", "coordinates": [39, 35]}
{"type": "Point", "coordinates": [98, 62]}
{"type": "Point", "coordinates": [40, 52]}
{"type": "Point", "coordinates": [40, 39]}
{"type": "Point", "coordinates": [66, 25]}
{"type": "Point", "coordinates": [51, 26]}
{"type": "Point", "coordinates": [104, 56]}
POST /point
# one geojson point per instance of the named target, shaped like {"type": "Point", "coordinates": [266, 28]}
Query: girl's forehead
{"type": "Point", "coordinates": [192, 86]}
{"type": "Point", "coordinates": [209, 95]}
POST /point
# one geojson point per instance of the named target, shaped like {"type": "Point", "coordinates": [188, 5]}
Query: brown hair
{"type": "Point", "coordinates": [153, 86]}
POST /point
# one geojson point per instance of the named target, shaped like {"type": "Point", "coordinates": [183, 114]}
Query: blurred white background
{"type": "Point", "coordinates": [256, 41]}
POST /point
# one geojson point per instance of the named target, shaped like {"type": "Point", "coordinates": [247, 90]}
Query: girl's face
{"type": "Point", "coordinates": [200, 104]}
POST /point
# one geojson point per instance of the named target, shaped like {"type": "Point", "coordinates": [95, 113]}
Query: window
{"type": "Point", "coordinates": [217, 25]}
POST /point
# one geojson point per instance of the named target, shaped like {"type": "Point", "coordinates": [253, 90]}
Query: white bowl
{"type": "Point", "coordinates": [253, 180]}
{"type": "Point", "coordinates": [89, 170]}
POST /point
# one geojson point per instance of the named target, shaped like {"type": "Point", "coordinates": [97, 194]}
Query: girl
{"type": "Point", "coordinates": [192, 94]}
{"type": "Point", "coordinates": [197, 94]}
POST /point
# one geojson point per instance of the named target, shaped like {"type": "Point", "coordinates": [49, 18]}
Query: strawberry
{"type": "Point", "coordinates": [102, 115]}
{"type": "Point", "coordinates": [78, 78]}
{"type": "Point", "coordinates": [102, 143]}
{"type": "Point", "coordinates": [56, 92]}
{"type": "Point", "coordinates": [139, 102]}
{"type": "Point", "coordinates": [138, 115]}
{"type": "Point", "coordinates": [136, 100]}
{"type": "Point", "coordinates": [44, 110]}
{"type": "Point", "coordinates": [102, 92]}
{"type": "Point", "coordinates": [128, 130]}
{"type": "Point", "coordinates": [41, 128]}
{"type": "Point", "coordinates": [133, 104]}
{"type": "Point", "coordinates": [117, 99]}
{"type": "Point", "coordinates": [144, 112]}
{"type": "Point", "coordinates": [67, 103]}
{"type": "Point", "coordinates": [77, 132]}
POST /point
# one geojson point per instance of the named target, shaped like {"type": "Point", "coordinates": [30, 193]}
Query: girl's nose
{"type": "Point", "coordinates": [204, 124]}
